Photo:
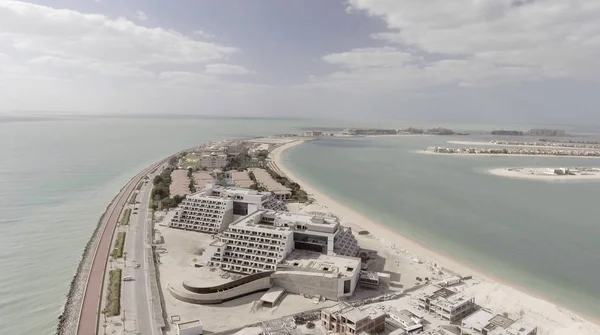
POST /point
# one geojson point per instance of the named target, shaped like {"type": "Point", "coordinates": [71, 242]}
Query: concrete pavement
{"type": "Point", "coordinates": [136, 297]}
{"type": "Point", "coordinates": [90, 310]}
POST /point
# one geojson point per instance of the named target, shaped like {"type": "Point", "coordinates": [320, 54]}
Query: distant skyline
{"type": "Point", "coordinates": [508, 61]}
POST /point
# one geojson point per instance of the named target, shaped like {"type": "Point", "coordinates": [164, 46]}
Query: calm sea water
{"type": "Point", "coordinates": [540, 236]}
{"type": "Point", "coordinates": [57, 177]}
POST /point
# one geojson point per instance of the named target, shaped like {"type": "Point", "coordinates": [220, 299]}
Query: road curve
{"type": "Point", "coordinates": [90, 309]}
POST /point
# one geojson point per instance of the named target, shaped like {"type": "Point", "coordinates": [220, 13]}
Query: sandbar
{"type": "Point", "coordinates": [493, 294]}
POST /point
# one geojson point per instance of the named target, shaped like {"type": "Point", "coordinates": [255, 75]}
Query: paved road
{"type": "Point", "coordinates": [90, 309]}
{"type": "Point", "coordinates": [137, 299]}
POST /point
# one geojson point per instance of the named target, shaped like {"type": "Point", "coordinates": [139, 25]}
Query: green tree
{"type": "Point", "coordinates": [167, 203]}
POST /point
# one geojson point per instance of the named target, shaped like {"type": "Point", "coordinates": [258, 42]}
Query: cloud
{"type": "Point", "coordinates": [203, 34]}
{"type": "Point", "coordinates": [226, 69]}
{"type": "Point", "coordinates": [62, 59]}
{"type": "Point", "coordinates": [370, 57]}
{"type": "Point", "coordinates": [471, 43]}
{"type": "Point", "coordinates": [141, 16]}
{"type": "Point", "coordinates": [67, 33]}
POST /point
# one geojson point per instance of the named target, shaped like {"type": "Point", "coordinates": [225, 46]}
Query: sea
{"type": "Point", "coordinates": [57, 175]}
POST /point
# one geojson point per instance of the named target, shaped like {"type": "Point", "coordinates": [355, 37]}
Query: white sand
{"type": "Point", "coordinates": [463, 154]}
{"type": "Point", "coordinates": [474, 143]}
{"type": "Point", "coordinates": [551, 320]}
{"type": "Point", "coordinates": [536, 174]}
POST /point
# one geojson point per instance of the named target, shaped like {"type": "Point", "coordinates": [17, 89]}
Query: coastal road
{"type": "Point", "coordinates": [137, 299]}
{"type": "Point", "coordinates": [90, 309]}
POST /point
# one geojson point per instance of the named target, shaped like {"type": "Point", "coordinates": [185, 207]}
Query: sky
{"type": "Point", "coordinates": [436, 60]}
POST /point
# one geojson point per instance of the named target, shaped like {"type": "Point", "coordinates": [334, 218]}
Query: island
{"type": "Point", "coordinates": [540, 152]}
{"type": "Point", "coordinates": [548, 173]}
{"type": "Point", "coordinates": [531, 132]}
{"type": "Point", "coordinates": [223, 238]}
{"type": "Point", "coordinates": [536, 144]}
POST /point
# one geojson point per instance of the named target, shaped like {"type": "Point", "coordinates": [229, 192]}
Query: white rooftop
{"type": "Point", "coordinates": [189, 324]}
{"type": "Point", "coordinates": [478, 320]}
{"type": "Point", "coordinates": [517, 328]}
{"type": "Point", "coordinates": [317, 262]}
{"type": "Point", "coordinates": [289, 221]}
{"type": "Point", "coordinates": [453, 301]}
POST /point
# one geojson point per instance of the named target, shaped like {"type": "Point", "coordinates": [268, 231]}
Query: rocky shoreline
{"type": "Point", "coordinates": [69, 318]}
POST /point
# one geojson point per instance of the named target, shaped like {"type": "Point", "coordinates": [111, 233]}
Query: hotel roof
{"type": "Point", "coordinates": [288, 221]}
{"type": "Point", "coordinates": [303, 260]}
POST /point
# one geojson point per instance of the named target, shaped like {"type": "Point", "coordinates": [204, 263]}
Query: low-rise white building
{"type": "Point", "coordinates": [261, 148]}
{"type": "Point", "coordinates": [409, 321]}
{"type": "Point", "coordinates": [213, 160]}
{"type": "Point", "coordinates": [446, 303]}
{"type": "Point", "coordinates": [502, 325]}
{"type": "Point", "coordinates": [193, 327]}
{"type": "Point", "coordinates": [475, 323]}
{"type": "Point", "coordinates": [347, 320]}
{"type": "Point", "coordinates": [517, 328]}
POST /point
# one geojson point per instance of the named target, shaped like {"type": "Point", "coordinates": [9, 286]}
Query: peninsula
{"type": "Point", "coordinates": [226, 224]}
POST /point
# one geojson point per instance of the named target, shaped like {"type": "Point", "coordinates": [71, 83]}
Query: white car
{"type": "Point", "coordinates": [127, 278]}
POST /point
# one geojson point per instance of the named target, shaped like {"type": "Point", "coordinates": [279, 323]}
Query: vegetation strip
{"type": "Point", "coordinates": [133, 199]}
{"type": "Point", "coordinates": [113, 296]}
{"type": "Point", "coordinates": [125, 217]}
{"type": "Point", "coordinates": [118, 250]}
{"type": "Point", "coordinates": [298, 194]}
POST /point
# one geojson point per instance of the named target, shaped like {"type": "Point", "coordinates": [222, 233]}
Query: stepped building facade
{"type": "Point", "coordinates": [263, 239]}
{"type": "Point", "coordinates": [214, 208]}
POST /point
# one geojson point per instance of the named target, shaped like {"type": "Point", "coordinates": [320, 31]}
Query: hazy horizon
{"type": "Point", "coordinates": [507, 61]}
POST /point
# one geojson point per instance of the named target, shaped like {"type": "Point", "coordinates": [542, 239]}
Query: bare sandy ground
{"type": "Point", "coordinates": [407, 254]}
{"type": "Point", "coordinates": [425, 152]}
{"type": "Point", "coordinates": [180, 183]}
{"type": "Point", "coordinates": [537, 174]}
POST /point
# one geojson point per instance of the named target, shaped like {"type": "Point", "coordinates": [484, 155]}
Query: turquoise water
{"type": "Point", "coordinates": [536, 235]}
{"type": "Point", "coordinates": [57, 177]}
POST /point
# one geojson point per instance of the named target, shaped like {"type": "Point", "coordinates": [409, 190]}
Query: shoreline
{"type": "Point", "coordinates": [529, 173]}
{"type": "Point", "coordinates": [425, 152]}
{"type": "Point", "coordinates": [376, 229]}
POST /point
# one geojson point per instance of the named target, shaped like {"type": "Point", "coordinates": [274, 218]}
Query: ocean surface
{"type": "Point", "coordinates": [58, 175]}
{"type": "Point", "coordinates": [543, 237]}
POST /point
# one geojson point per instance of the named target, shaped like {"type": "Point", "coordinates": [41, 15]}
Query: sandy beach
{"type": "Point", "coordinates": [425, 152]}
{"type": "Point", "coordinates": [538, 174]}
{"type": "Point", "coordinates": [410, 257]}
